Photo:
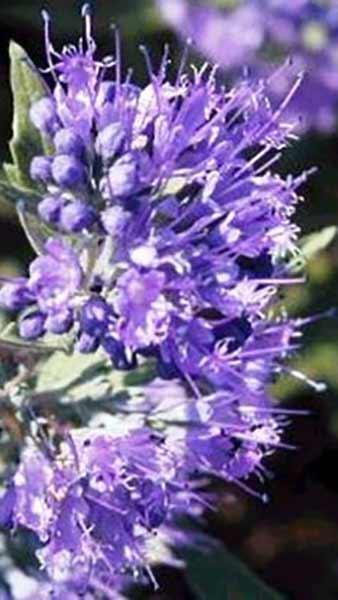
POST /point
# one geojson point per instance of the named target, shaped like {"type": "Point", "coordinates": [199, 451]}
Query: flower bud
{"type": "Point", "coordinates": [109, 140]}
{"type": "Point", "coordinates": [122, 176]}
{"type": "Point", "coordinates": [67, 170]}
{"type": "Point", "coordinates": [15, 296]}
{"type": "Point", "coordinates": [32, 326]}
{"type": "Point", "coordinates": [43, 115]}
{"type": "Point", "coordinates": [40, 169]}
{"type": "Point", "coordinates": [116, 351]}
{"type": "Point", "coordinates": [87, 343]}
{"type": "Point", "coordinates": [114, 219]}
{"type": "Point", "coordinates": [49, 208]}
{"type": "Point", "coordinates": [67, 141]}
{"type": "Point", "coordinates": [60, 322]}
{"type": "Point", "coordinates": [77, 216]}
{"type": "Point", "coordinates": [94, 316]}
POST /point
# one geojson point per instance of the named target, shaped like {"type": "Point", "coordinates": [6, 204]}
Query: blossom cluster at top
{"type": "Point", "coordinates": [260, 33]}
{"type": "Point", "coordinates": [168, 229]}
{"type": "Point", "coordinates": [176, 221]}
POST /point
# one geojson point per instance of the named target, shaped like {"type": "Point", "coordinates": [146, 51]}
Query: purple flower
{"type": "Point", "coordinates": [181, 230]}
{"type": "Point", "coordinates": [15, 294]}
{"type": "Point", "coordinates": [109, 140]}
{"type": "Point", "coordinates": [76, 216]}
{"type": "Point", "coordinates": [189, 232]}
{"type": "Point", "coordinates": [67, 171]}
{"type": "Point", "coordinates": [54, 280]}
{"type": "Point", "coordinates": [240, 31]}
{"type": "Point", "coordinates": [55, 276]}
{"type": "Point", "coordinates": [144, 311]}
{"type": "Point", "coordinates": [68, 141]}
{"type": "Point", "coordinates": [32, 326]}
{"type": "Point", "coordinates": [227, 435]}
{"type": "Point", "coordinates": [41, 169]}
{"type": "Point", "coordinates": [49, 208]}
{"type": "Point", "coordinates": [95, 316]}
{"type": "Point", "coordinates": [94, 504]}
{"type": "Point", "coordinates": [43, 115]}
{"type": "Point", "coordinates": [257, 32]}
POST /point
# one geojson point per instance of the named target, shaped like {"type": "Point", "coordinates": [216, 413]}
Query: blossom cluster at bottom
{"type": "Point", "coordinates": [93, 503]}
{"type": "Point", "coordinates": [97, 497]}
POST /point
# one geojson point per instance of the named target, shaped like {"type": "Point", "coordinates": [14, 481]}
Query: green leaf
{"type": "Point", "coordinates": [217, 574]}
{"type": "Point", "coordinates": [36, 231]}
{"type": "Point", "coordinates": [13, 194]}
{"type": "Point", "coordinates": [10, 340]}
{"type": "Point", "coordinates": [61, 371]}
{"type": "Point", "coordinates": [316, 242]}
{"type": "Point", "coordinates": [27, 87]}
{"type": "Point", "coordinates": [311, 245]}
{"type": "Point", "coordinates": [73, 372]}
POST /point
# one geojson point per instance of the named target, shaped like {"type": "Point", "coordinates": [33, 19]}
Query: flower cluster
{"type": "Point", "coordinates": [93, 502]}
{"type": "Point", "coordinates": [226, 37]}
{"type": "Point", "coordinates": [167, 233]}
{"type": "Point", "coordinates": [95, 497]}
{"type": "Point", "coordinates": [258, 34]}
{"type": "Point", "coordinates": [225, 435]}
{"type": "Point", "coordinates": [182, 258]}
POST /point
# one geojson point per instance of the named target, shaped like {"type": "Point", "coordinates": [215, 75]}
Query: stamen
{"type": "Point", "coordinates": [279, 411]}
{"type": "Point", "coordinates": [48, 44]}
{"type": "Point", "coordinates": [164, 62]}
{"type": "Point", "coordinates": [248, 166]}
{"type": "Point", "coordinates": [152, 77]}
{"type": "Point", "coordinates": [263, 351]}
{"type": "Point", "coordinates": [118, 61]}
{"type": "Point", "coordinates": [283, 105]}
{"type": "Point", "coordinates": [263, 497]}
{"type": "Point", "coordinates": [152, 578]}
{"type": "Point", "coordinates": [318, 386]}
{"type": "Point", "coordinates": [263, 168]}
{"type": "Point", "coordinates": [192, 384]}
{"type": "Point", "coordinates": [284, 281]}
{"type": "Point", "coordinates": [183, 62]}
{"type": "Point", "coordinates": [330, 313]}
{"type": "Point", "coordinates": [86, 14]}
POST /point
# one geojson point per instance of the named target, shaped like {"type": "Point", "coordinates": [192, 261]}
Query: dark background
{"type": "Point", "coordinates": [292, 542]}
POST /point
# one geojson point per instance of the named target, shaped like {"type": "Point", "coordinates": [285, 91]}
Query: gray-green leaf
{"type": "Point", "coordinates": [10, 340]}
{"type": "Point", "coordinates": [27, 87]}
{"type": "Point", "coordinates": [61, 371]}
{"type": "Point", "coordinates": [311, 245]}
{"type": "Point", "coordinates": [36, 231]}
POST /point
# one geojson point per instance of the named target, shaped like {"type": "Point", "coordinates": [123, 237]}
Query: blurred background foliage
{"type": "Point", "coordinates": [292, 543]}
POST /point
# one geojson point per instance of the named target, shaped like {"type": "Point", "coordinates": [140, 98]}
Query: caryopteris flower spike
{"type": "Point", "coordinates": [94, 503]}
{"type": "Point", "coordinates": [178, 234]}
{"type": "Point", "coordinates": [162, 233]}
